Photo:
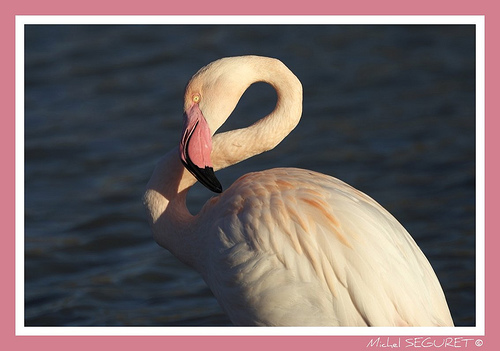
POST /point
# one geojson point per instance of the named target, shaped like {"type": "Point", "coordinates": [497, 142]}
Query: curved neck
{"type": "Point", "coordinates": [172, 224]}
{"type": "Point", "coordinates": [237, 145]}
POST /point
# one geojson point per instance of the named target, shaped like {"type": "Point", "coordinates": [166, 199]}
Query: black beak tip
{"type": "Point", "coordinates": [217, 189]}
{"type": "Point", "coordinates": [205, 176]}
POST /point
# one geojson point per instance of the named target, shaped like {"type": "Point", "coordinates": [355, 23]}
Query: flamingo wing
{"type": "Point", "coordinates": [295, 247]}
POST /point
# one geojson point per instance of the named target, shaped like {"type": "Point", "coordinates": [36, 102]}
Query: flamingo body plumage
{"type": "Point", "coordinates": [285, 246]}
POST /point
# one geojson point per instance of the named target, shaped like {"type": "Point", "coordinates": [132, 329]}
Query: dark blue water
{"type": "Point", "coordinates": [388, 109]}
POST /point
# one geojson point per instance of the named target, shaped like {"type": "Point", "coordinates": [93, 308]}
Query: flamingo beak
{"type": "Point", "coordinates": [195, 149]}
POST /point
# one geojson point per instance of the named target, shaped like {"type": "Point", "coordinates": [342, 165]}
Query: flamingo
{"type": "Point", "coordinates": [284, 246]}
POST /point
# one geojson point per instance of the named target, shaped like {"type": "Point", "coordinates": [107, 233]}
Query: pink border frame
{"type": "Point", "coordinates": [91, 7]}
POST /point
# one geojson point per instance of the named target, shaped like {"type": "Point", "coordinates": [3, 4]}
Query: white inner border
{"type": "Point", "coordinates": [478, 21]}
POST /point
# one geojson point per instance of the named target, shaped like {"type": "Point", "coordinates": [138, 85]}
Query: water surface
{"type": "Point", "coordinates": [388, 109]}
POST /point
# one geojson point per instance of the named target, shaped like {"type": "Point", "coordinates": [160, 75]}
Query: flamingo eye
{"type": "Point", "coordinates": [196, 98]}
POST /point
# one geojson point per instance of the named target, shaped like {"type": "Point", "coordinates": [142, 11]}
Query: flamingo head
{"type": "Point", "coordinates": [210, 97]}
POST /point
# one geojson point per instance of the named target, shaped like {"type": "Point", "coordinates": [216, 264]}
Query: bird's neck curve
{"type": "Point", "coordinates": [237, 145]}
{"type": "Point", "coordinates": [173, 226]}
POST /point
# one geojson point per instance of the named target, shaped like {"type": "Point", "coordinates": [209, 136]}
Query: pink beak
{"type": "Point", "coordinates": [195, 149]}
